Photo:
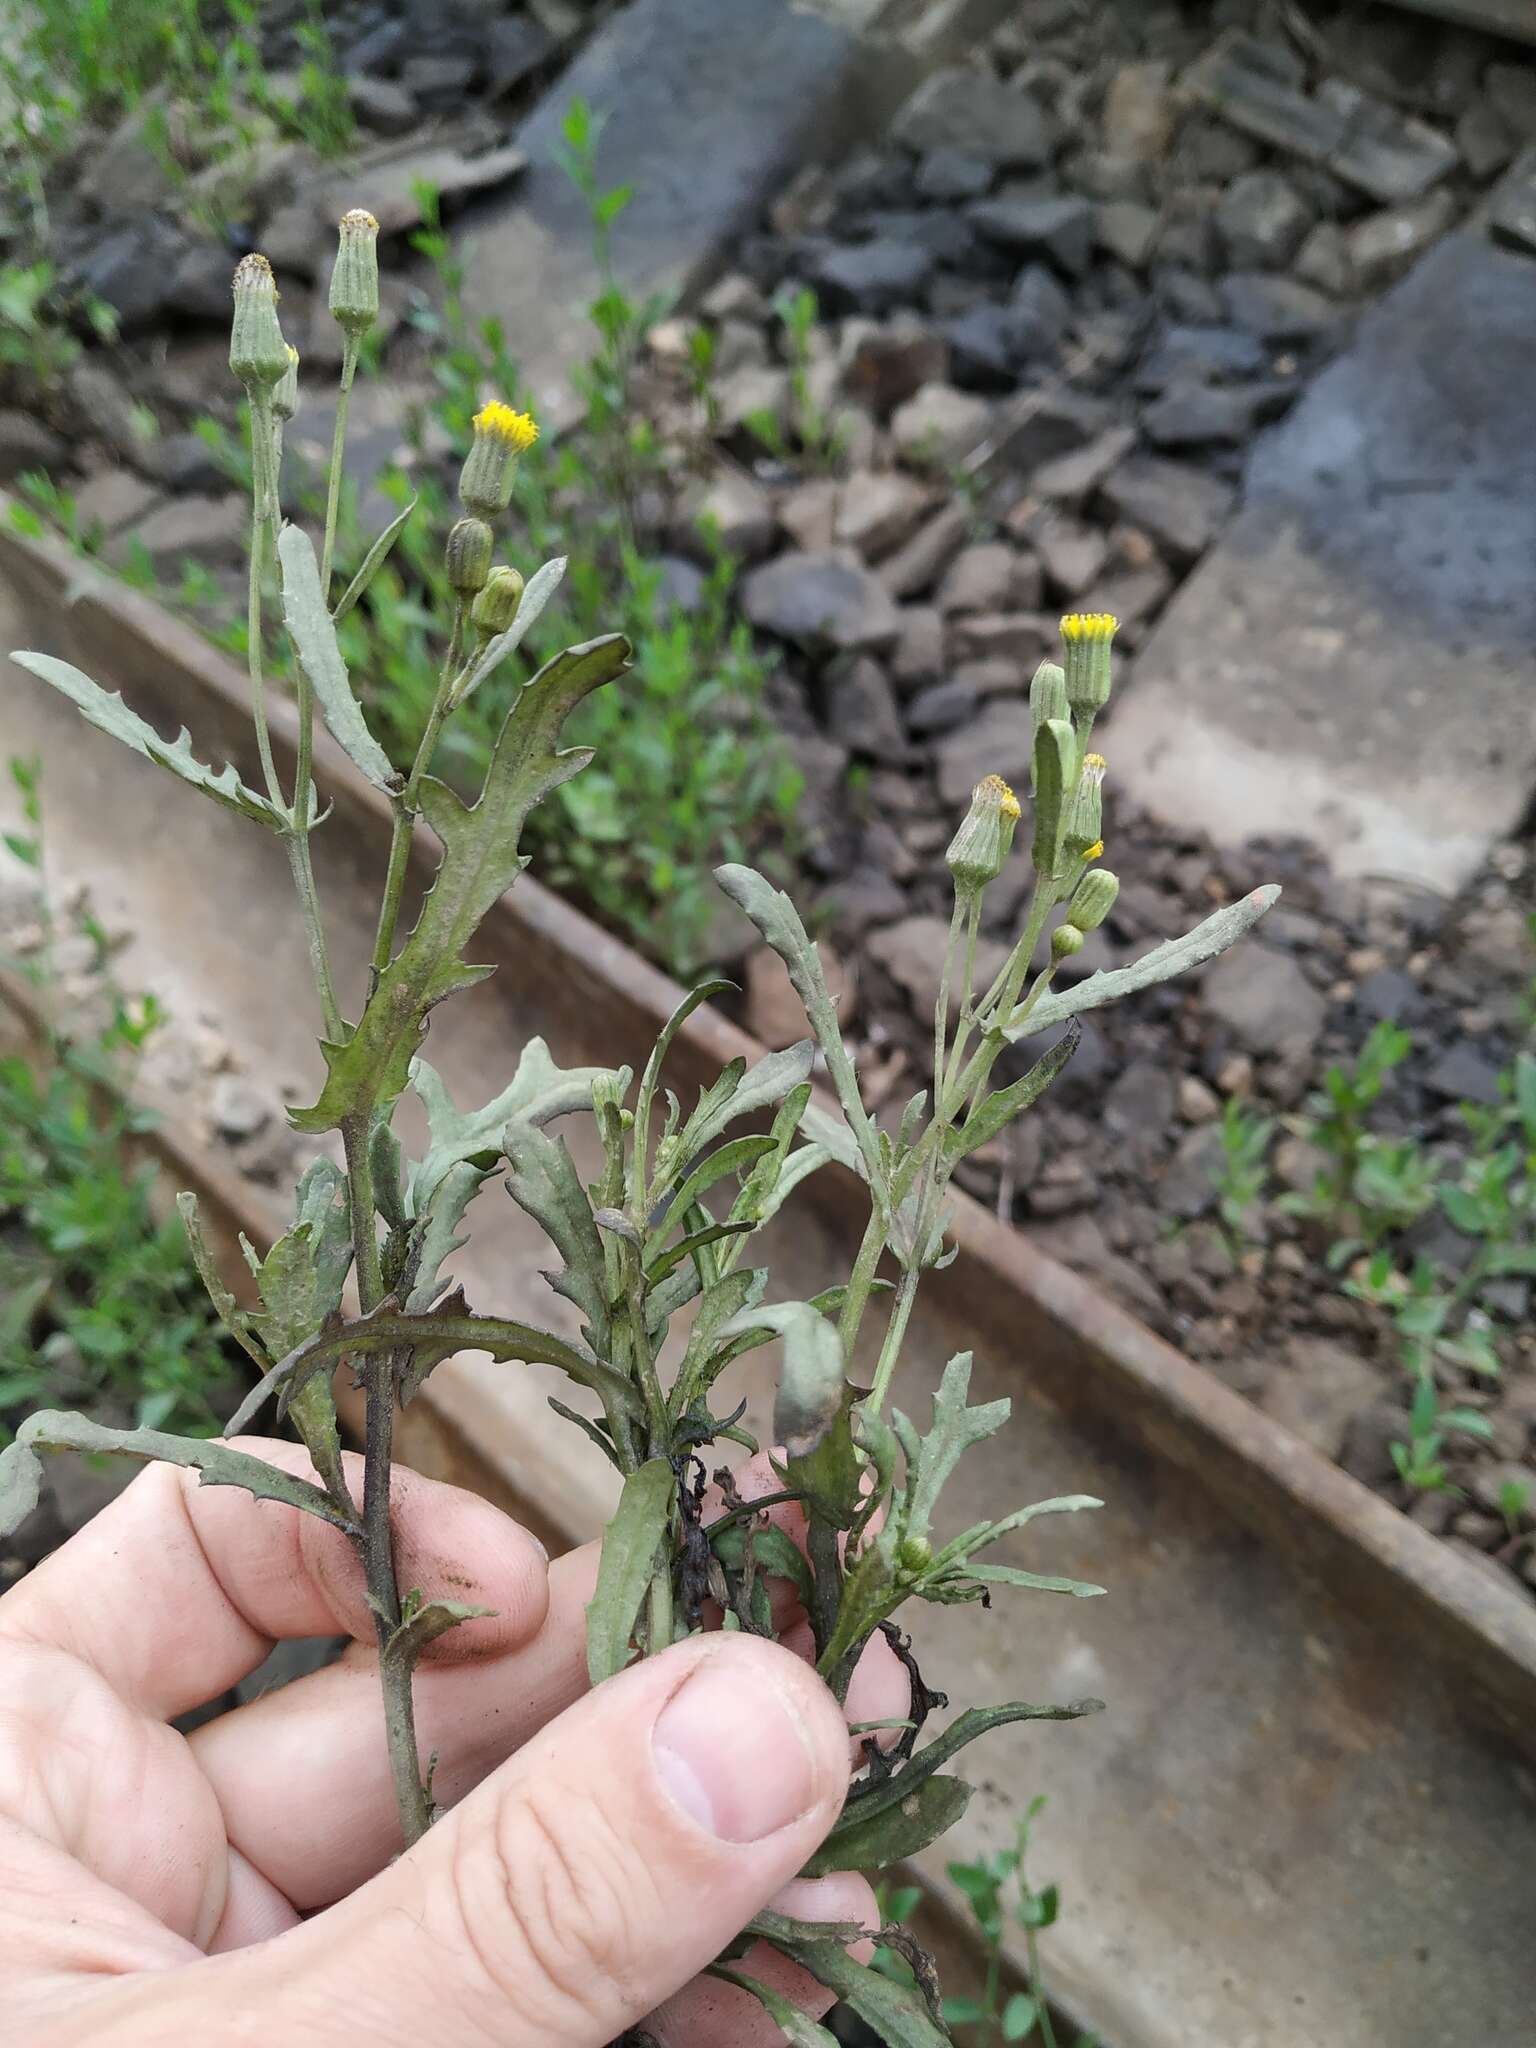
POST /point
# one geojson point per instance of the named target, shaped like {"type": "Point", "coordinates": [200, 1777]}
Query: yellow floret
{"type": "Point", "coordinates": [993, 788]}
{"type": "Point", "coordinates": [1089, 626]}
{"type": "Point", "coordinates": [515, 430]}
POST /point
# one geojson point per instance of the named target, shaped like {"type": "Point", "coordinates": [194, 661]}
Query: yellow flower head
{"type": "Point", "coordinates": [1089, 626]}
{"type": "Point", "coordinates": [515, 431]}
{"type": "Point", "coordinates": [357, 219]}
{"type": "Point", "coordinates": [1094, 765]}
{"type": "Point", "coordinates": [502, 434]}
{"type": "Point", "coordinates": [993, 790]}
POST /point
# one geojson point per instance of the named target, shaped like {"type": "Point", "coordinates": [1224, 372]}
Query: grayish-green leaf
{"type": "Point", "coordinates": [874, 1840]}
{"type": "Point", "coordinates": [1055, 778]}
{"type": "Point", "coordinates": [435, 1235]}
{"type": "Point", "coordinates": [779, 922]}
{"type": "Point", "coordinates": [49, 1429]}
{"type": "Point", "coordinates": [811, 1377]}
{"type": "Point", "coordinates": [425, 1621]}
{"type": "Point", "coordinates": [538, 1092]}
{"type": "Point", "coordinates": [542, 1180]}
{"type": "Point", "coordinates": [480, 862]}
{"type": "Point", "coordinates": [737, 1157]}
{"type": "Point", "coordinates": [1175, 956]}
{"type": "Point", "coordinates": [955, 1428]}
{"type": "Point", "coordinates": [106, 710]}
{"type": "Point", "coordinates": [633, 1545]}
{"type": "Point", "coordinates": [877, 1794]}
{"type": "Point", "coordinates": [229, 1311]}
{"type": "Point", "coordinates": [540, 588]}
{"type": "Point", "coordinates": [1034, 1582]}
{"type": "Point", "coordinates": [763, 1086]}
{"type": "Point", "coordinates": [313, 633]}
{"type": "Point", "coordinates": [373, 561]}
{"type": "Point", "coordinates": [430, 1338]}
{"type": "Point", "coordinates": [1001, 1107]}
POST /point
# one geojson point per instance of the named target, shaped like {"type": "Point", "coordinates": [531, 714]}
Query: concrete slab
{"type": "Point", "coordinates": [708, 110]}
{"type": "Point", "coordinates": [1356, 660]}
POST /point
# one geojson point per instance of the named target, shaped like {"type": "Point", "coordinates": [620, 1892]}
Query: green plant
{"type": "Point", "coordinates": [1374, 1189]}
{"type": "Point", "coordinates": [691, 773]}
{"type": "Point", "coordinates": [37, 343]}
{"type": "Point", "coordinates": [1369, 1186]}
{"type": "Point", "coordinates": [100, 1302]}
{"type": "Point", "coordinates": [1242, 1172]}
{"type": "Point", "coordinates": [998, 1890]}
{"type": "Point", "coordinates": [808, 434]}
{"type": "Point", "coordinates": [678, 1192]}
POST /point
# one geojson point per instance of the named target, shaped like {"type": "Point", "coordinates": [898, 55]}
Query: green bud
{"type": "Point", "coordinates": [468, 556]}
{"type": "Point", "coordinates": [914, 1556]}
{"type": "Point", "coordinates": [1083, 835]}
{"type": "Point", "coordinates": [1064, 940]}
{"type": "Point", "coordinates": [1094, 899]}
{"type": "Point", "coordinates": [1087, 636]}
{"type": "Point", "coordinates": [285, 392]}
{"type": "Point", "coordinates": [355, 275]}
{"type": "Point", "coordinates": [258, 354]}
{"type": "Point", "coordinates": [1047, 694]}
{"type": "Point", "coordinates": [985, 834]}
{"type": "Point", "coordinates": [496, 606]}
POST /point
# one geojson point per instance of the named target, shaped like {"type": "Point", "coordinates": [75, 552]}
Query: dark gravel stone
{"type": "Point", "coordinates": [950, 173]}
{"type": "Point", "coordinates": [1464, 1074]}
{"type": "Point", "coordinates": [872, 277]}
{"type": "Point", "coordinates": [1060, 229]}
{"type": "Point", "coordinates": [972, 111]}
{"type": "Point", "coordinates": [1039, 315]}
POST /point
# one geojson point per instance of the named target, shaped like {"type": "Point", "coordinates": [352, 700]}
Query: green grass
{"type": "Point", "coordinates": [99, 1300]}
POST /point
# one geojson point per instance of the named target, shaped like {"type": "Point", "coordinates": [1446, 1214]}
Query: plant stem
{"type": "Point", "coordinates": [1037, 1988]}
{"type": "Point", "coordinates": [338, 450]}
{"type": "Point", "coordinates": [264, 479]}
{"type": "Point", "coordinates": [377, 1546]}
{"type": "Point", "coordinates": [406, 805]}
{"type": "Point", "coordinates": [896, 1328]}
{"type": "Point", "coordinates": [861, 1282]}
{"type": "Point", "coordinates": [941, 1007]}
{"type": "Point", "coordinates": [261, 435]}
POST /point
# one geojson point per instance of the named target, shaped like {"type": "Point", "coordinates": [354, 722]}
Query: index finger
{"type": "Point", "coordinates": [176, 1591]}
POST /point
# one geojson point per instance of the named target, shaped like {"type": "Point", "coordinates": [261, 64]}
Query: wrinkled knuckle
{"type": "Point", "coordinates": [556, 1903]}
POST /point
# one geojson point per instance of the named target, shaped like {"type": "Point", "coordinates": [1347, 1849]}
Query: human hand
{"type": "Point", "coordinates": [237, 1885]}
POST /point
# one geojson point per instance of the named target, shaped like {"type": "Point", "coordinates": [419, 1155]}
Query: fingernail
{"type": "Point", "coordinates": [734, 1752]}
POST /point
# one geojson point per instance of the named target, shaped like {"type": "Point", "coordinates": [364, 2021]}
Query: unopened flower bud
{"type": "Point", "coordinates": [258, 354]}
{"type": "Point", "coordinates": [914, 1556]}
{"type": "Point", "coordinates": [1083, 837]}
{"type": "Point", "coordinates": [1087, 637]}
{"type": "Point", "coordinates": [985, 834]}
{"type": "Point", "coordinates": [468, 556]}
{"type": "Point", "coordinates": [1064, 940]}
{"type": "Point", "coordinates": [501, 436]}
{"type": "Point", "coordinates": [1094, 899]}
{"type": "Point", "coordinates": [285, 392]}
{"type": "Point", "coordinates": [1047, 694]}
{"type": "Point", "coordinates": [496, 606]}
{"type": "Point", "coordinates": [355, 275]}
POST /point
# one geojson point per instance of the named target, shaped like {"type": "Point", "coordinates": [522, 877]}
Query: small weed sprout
{"type": "Point", "coordinates": [680, 1191]}
{"type": "Point", "coordinates": [1242, 1172]}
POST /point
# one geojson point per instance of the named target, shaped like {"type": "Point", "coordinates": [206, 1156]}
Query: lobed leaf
{"type": "Point", "coordinates": [797, 2027]}
{"type": "Point", "coordinates": [897, 2013]}
{"type": "Point", "coordinates": [1001, 1107]}
{"type": "Point", "coordinates": [21, 1468]}
{"type": "Point", "coordinates": [106, 710]}
{"type": "Point", "coordinates": [538, 1092]}
{"type": "Point", "coordinates": [480, 862]}
{"type": "Point", "coordinates": [810, 1391]}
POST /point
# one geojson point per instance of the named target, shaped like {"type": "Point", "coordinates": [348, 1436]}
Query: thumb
{"type": "Point", "coordinates": [591, 1876]}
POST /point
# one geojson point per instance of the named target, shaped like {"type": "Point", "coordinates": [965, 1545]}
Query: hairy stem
{"type": "Point", "coordinates": [377, 1548]}
{"type": "Point", "coordinates": [407, 804]}
{"type": "Point", "coordinates": [338, 452]}
{"type": "Point", "coordinates": [941, 1007]}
